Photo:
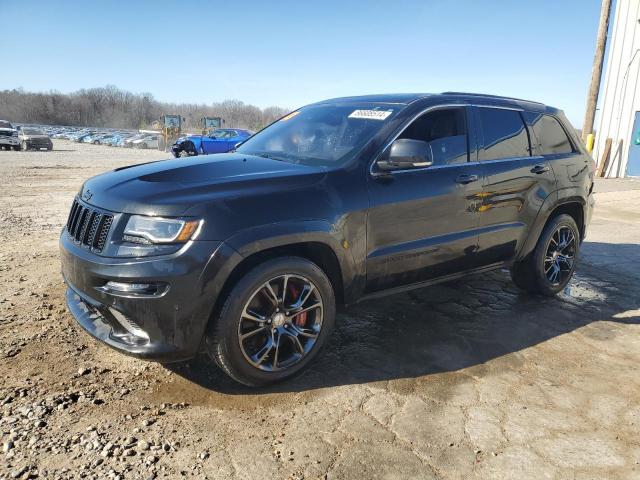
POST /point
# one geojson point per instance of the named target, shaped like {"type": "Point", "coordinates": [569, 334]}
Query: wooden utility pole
{"type": "Point", "coordinates": [596, 71]}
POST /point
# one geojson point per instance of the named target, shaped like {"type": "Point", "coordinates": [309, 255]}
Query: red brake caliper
{"type": "Point", "coordinates": [299, 320]}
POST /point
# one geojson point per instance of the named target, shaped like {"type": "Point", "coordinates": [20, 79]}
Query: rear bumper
{"type": "Point", "coordinates": [588, 213]}
{"type": "Point", "coordinates": [38, 144]}
{"type": "Point", "coordinates": [167, 326]}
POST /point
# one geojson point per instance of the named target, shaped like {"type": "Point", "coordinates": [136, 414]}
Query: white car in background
{"type": "Point", "coordinates": [8, 136]}
{"type": "Point", "coordinates": [150, 141]}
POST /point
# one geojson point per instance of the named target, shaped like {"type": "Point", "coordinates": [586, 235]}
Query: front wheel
{"type": "Point", "coordinates": [273, 322]}
{"type": "Point", "coordinates": [550, 266]}
{"type": "Point", "coordinates": [24, 147]}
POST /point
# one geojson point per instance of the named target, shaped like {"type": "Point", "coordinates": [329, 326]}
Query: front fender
{"type": "Point", "coordinates": [264, 237]}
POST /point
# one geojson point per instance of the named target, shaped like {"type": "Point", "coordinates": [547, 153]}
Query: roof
{"type": "Point", "coordinates": [397, 98]}
{"type": "Point", "coordinates": [407, 98]}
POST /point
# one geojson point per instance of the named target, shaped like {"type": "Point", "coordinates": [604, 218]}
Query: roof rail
{"type": "Point", "coordinates": [487, 95]}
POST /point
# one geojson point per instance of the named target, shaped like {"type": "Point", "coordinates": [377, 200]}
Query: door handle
{"type": "Point", "coordinates": [464, 179]}
{"type": "Point", "coordinates": [538, 169]}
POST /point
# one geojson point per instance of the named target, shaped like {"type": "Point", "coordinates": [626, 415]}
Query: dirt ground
{"type": "Point", "coordinates": [470, 379]}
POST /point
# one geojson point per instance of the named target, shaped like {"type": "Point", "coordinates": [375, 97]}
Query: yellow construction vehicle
{"type": "Point", "coordinates": [171, 129]}
{"type": "Point", "coordinates": [210, 123]}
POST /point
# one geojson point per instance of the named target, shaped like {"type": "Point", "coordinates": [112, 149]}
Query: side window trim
{"type": "Point", "coordinates": [404, 126]}
{"type": "Point", "coordinates": [480, 131]}
{"type": "Point", "coordinates": [574, 148]}
{"type": "Point", "coordinates": [529, 133]}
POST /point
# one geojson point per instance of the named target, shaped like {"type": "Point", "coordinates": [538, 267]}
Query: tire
{"type": "Point", "coordinates": [537, 273]}
{"type": "Point", "coordinates": [293, 351]}
{"type": "Point", "coordinates": [24, 146]}
{"type": "Point", "coordinates": [143, 145]}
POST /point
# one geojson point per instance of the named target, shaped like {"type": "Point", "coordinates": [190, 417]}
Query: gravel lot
{"type": "Point", "coordinates": [469, 379]}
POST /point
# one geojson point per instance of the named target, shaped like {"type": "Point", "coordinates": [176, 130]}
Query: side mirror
{"type": "Point", "coordinates": [405, 153]}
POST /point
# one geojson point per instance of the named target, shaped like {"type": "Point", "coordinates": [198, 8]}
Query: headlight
{"type": "Point", "coordinates": [151, 230]}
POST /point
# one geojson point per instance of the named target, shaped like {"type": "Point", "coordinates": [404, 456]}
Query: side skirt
{"type": "Point", "coordinates": [434, 281]}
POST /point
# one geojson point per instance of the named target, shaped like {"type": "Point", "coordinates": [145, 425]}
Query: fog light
{"type": "Point", "coordinates": [135, 289]}
{"type": "Point", "coordinates": [128, 287]}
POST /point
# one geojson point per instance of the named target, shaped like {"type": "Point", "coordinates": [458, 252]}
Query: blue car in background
{"type": "Point", "coordinates": [220, 140]}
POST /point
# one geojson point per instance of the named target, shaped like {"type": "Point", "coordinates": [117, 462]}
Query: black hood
{"type": "Point", "coordinates": [171, 187]}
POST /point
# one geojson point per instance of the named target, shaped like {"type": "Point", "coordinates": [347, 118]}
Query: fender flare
{"type": "Point", "coordinates": [265, 237]}
{"type": "Point", "coordinates": [551, 203]}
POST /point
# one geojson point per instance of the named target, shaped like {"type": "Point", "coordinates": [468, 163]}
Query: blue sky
{"type": "Point", "coordinates": [290, 53]}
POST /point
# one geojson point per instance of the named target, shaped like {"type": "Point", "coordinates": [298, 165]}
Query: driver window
{"type": "Point", "coordinates": [219, 134]}
{"type": "Point", "coordinates": [446, 131]}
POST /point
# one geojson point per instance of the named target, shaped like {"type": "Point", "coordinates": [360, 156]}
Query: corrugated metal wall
{"type": "Point", "coordinates": [620, 98]}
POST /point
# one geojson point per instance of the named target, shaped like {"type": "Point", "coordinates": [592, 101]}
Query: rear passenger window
{"type": "Point", "coordinates": [445, 130]}
{"type": "Point", "coordinates": [505, 135]}
{"type": "Point", "coordinates": [550, 135]}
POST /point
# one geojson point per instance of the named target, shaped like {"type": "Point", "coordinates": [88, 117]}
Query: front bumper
{"type": "Point", "coordinates": [9, 141]}
{"type": "Point", "coordinates": [173, 322]}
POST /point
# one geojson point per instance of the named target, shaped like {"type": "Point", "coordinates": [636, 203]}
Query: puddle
{"type": "Point", "coordinates": [579, 291]}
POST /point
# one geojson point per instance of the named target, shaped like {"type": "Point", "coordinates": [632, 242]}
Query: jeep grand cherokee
{"type": "Point", "coordinates": [245, 255]}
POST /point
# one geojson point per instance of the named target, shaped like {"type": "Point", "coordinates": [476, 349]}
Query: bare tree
{"type": "Point", "coordinates": [112, 107]}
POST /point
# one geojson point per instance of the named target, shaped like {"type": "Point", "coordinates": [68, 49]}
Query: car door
{"type": "Point", "coordinates": [216, 142]}
{"type": "Point", "coordinates": [423, 222]}
{"type": "Point", "coordinates": [233, 139]}
{"type": "Point", "coordinates": [517, 182]}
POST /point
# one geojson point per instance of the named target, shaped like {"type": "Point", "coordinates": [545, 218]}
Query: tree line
{"type": "Point", "coordinates": [112, 107]}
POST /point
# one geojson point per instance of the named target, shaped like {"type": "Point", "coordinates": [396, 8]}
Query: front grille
{"type": "Point", "coordinates": [5, 133]}
{"type": "Point", "coordinates": [88, 227]}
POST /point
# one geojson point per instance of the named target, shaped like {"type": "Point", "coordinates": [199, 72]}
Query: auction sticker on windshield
{"type": "Point", "coordinates": [370, 114]}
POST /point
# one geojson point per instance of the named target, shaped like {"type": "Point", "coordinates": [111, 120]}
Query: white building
{"type": "Point", "coordinates": [619, 102]}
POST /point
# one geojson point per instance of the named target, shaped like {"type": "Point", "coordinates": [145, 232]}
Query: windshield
{"type": "Point", "coordinates": [32, 131]}
{"type": "Point", "coordinates": [325, 135]}
{"type": "Point", "coordinates": [222, 134]}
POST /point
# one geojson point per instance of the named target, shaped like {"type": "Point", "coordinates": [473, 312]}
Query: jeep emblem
{"type": "Point", "coordinates": [87, 195]}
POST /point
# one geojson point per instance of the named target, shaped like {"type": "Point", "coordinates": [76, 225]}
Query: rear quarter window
{"type": "Point", "coordinates": [504, 133]}
{"type": "Point", "coordinates": [550, 136]}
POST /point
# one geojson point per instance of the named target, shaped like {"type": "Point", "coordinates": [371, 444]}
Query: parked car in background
{"type": "Point", "coordinates": [148, 141]}
{"type": "Point", "coordinates": [94, 138]}
{"type": "Point", "coordinates": [128, 142]}
{"type": "Point", "coordinates": [34, 138]}
{"type": "Point", "coordinates": [246, 255]}
{"type": "Point", "coordinates": [220, 140]}
{"type": "Point", "coordinates": [8, 136]}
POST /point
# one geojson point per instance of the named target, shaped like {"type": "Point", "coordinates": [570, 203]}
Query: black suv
{"type": "Point", "coordinates": [245, 255]}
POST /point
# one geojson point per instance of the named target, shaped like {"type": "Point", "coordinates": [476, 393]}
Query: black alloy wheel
{"type": "Point", "coordinates": [560, 255]}
{"type": "Point", "coordinates": [549, 268]}
{"type": "Point", "coordinates": [273, 321]}
{"type": "Point", "coordinates": [280, 323]}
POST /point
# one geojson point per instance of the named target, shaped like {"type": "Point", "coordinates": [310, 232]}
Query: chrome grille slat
{"type": "Point", "coordinates": [91, 237]}
{"type": "Point", "coordinates": [88, 226]}
{"type": "Point", "coordinates": [82, 223]}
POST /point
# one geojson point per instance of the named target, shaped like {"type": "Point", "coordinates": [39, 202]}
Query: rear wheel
{"type": "Point", "coordinates": [273, 322]}
{"type": "Point", "coordinates": [550, 266]}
